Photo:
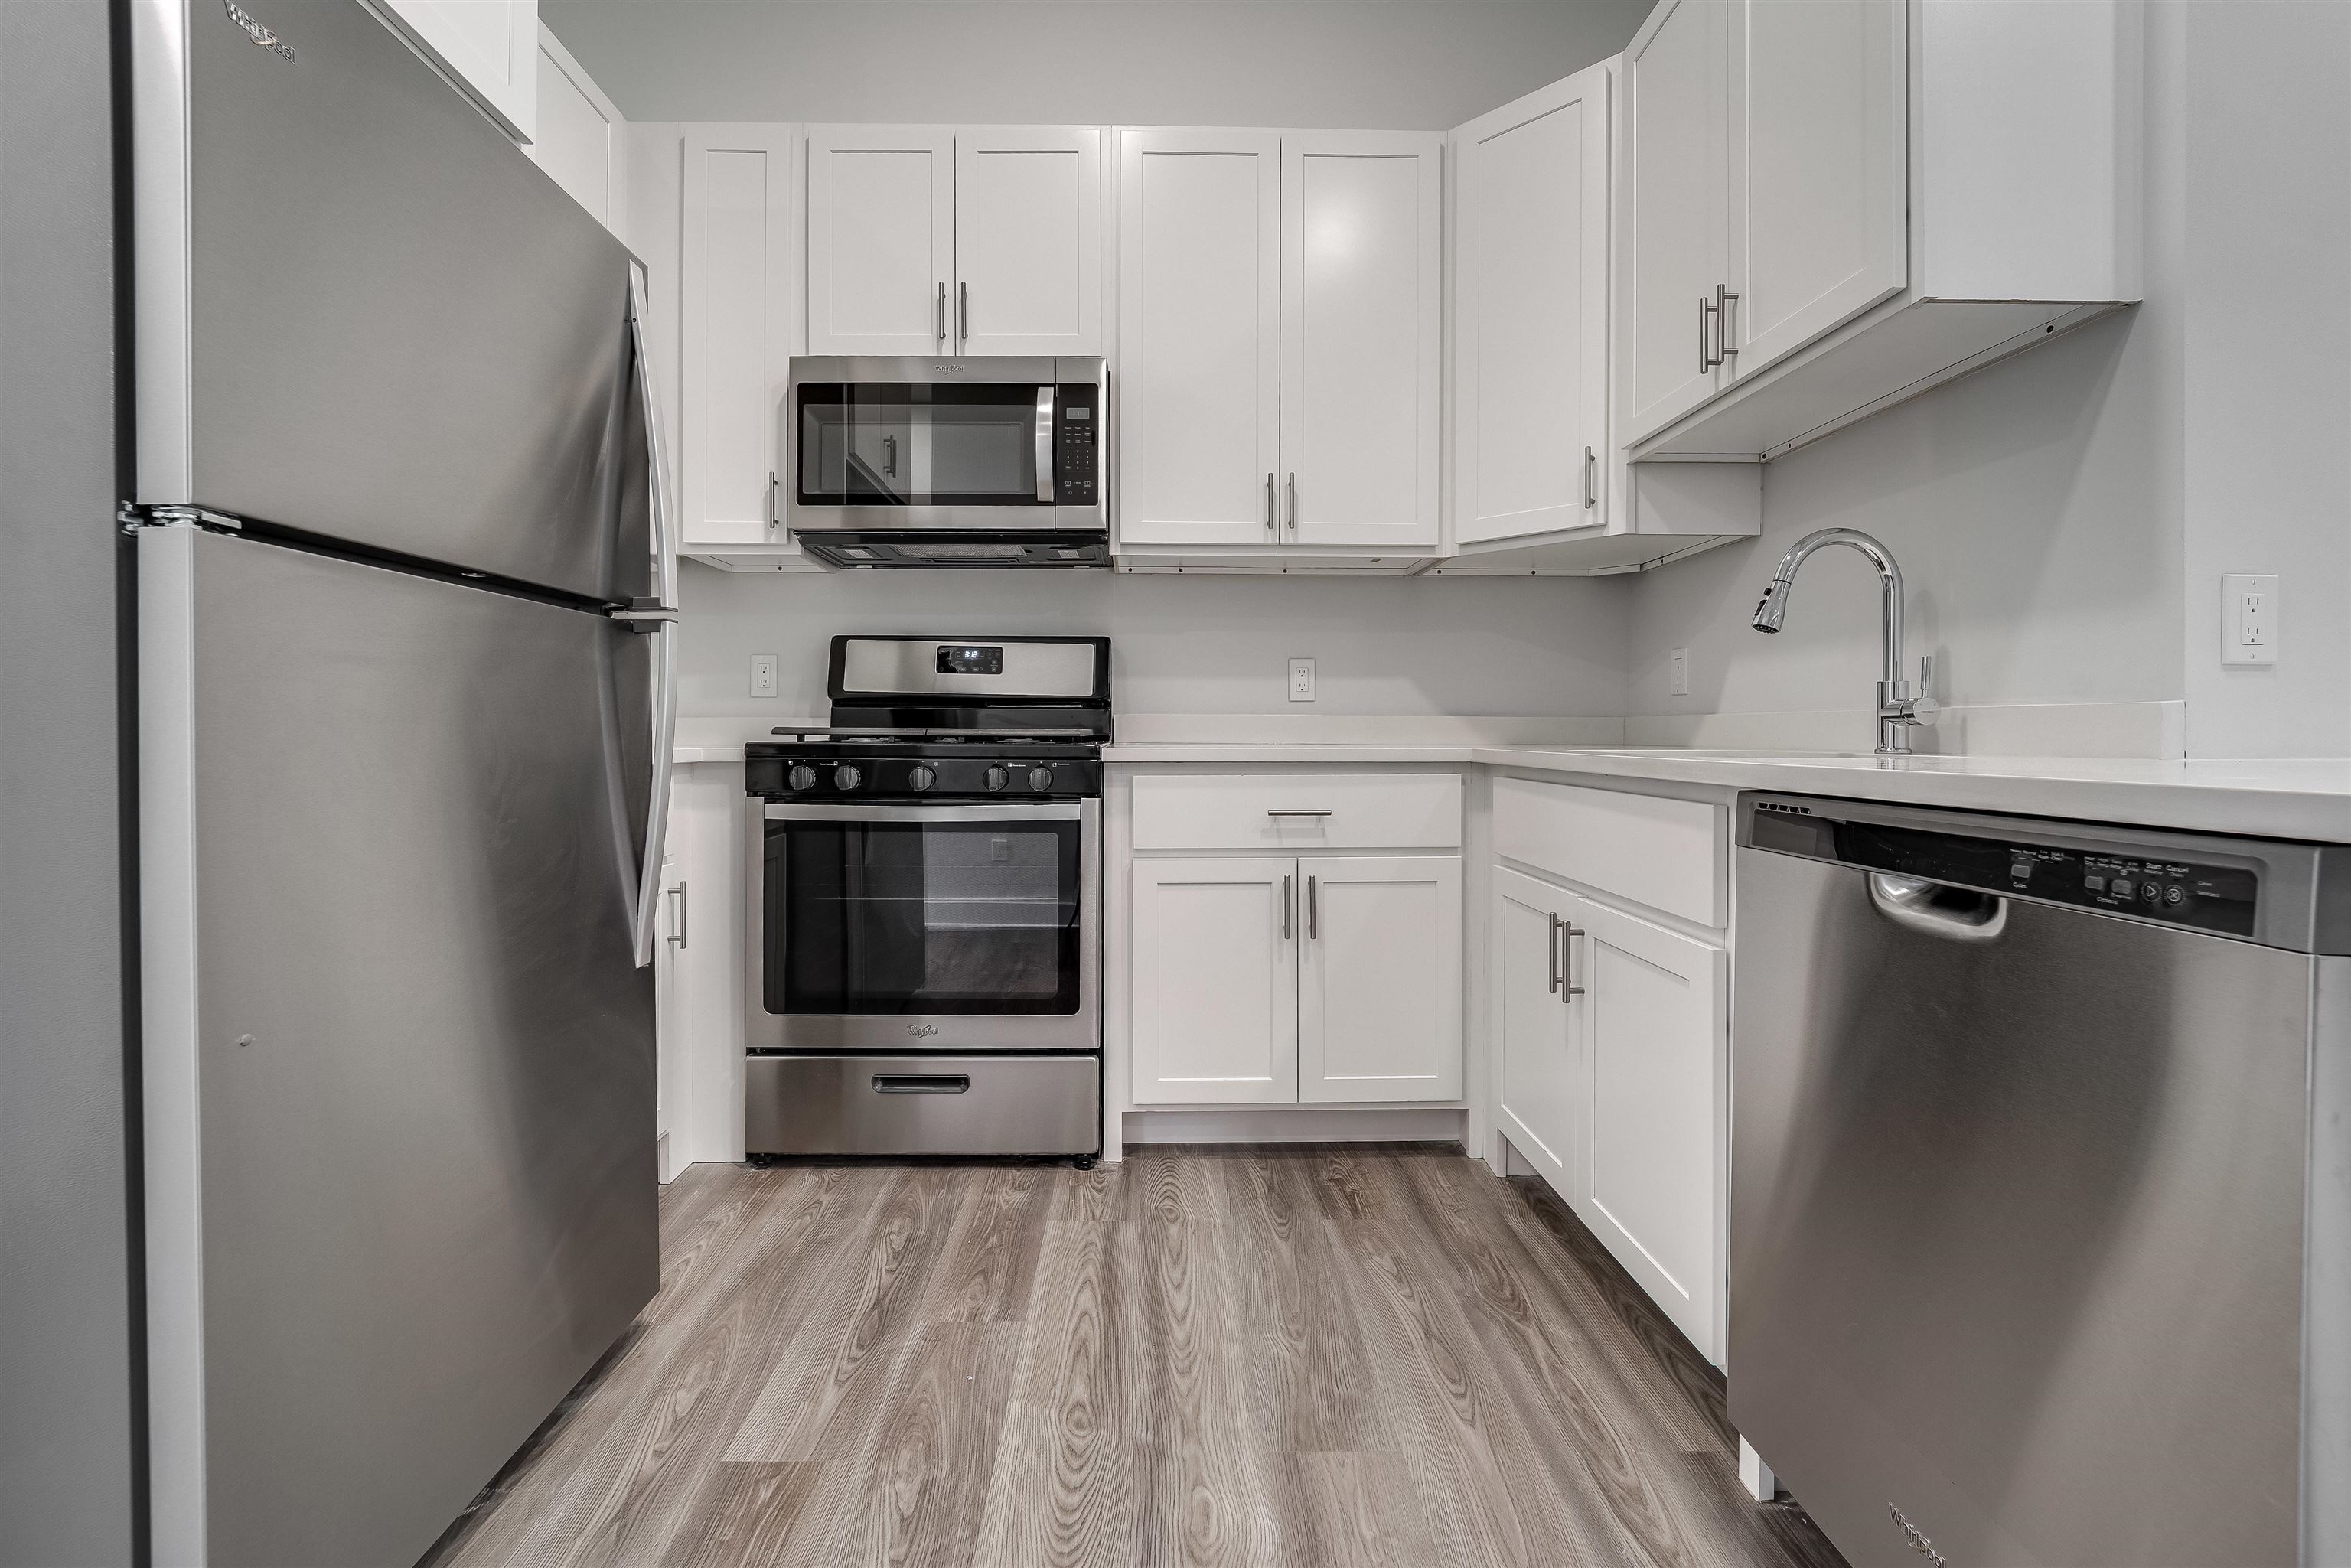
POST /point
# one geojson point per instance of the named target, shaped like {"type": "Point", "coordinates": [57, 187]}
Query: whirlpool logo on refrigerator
{"type": "Point", "coordinates": [256, 32]}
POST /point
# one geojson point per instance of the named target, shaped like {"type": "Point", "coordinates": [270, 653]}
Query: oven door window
{"type": "Point", "coordinates": [921, 918]}
{"type": "Point", "coordinates": [879, 444]}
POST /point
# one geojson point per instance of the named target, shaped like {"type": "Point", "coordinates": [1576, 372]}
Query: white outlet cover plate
{"type": "Point", "coordinates": [2249, 619]}
{"type": "Point", "coordinates": [1302, 680]}
{"type": "Point", "coordinates": [763, 674]}
{"type": "Point", "coordinates": [1678, 671]}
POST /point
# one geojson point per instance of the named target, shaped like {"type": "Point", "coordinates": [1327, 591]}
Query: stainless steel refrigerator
{"type": "Point", "coordinates": [405, 687]}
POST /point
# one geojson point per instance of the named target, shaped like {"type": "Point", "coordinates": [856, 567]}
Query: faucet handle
{"type": "Point", "coordinates": [1924, 708]}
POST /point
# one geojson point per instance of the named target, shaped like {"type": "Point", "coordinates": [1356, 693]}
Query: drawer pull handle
{"type": "Point", "coordinates": [1296, 811]}
{"type": "Point", "coordinates": [920, 1083]}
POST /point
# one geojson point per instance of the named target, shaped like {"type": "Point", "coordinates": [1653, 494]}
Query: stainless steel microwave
{"type": "Point", "coordinates": [947, 461]}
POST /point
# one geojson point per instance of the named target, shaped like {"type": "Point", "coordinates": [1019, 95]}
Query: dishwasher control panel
{"type": "Point", "coordinates": [2174, 890]}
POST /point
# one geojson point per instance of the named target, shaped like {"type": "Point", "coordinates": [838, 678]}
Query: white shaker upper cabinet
{"type": "Point", "coordinates": [1819, 169]}
{"type": "Point", "coordinates": [881, 239]}
{"type": "Point", "coordinates": [1215, 980]}
{"type": "Point", "coordinates": [1027, 240]}
{"type": "Point", "coordinates": [1673, 241]}
{"type": "Point", "coordinates": [735, 286]}
{"type": "Point", "coordinates": [1361, 307]}
{"type": "Point", "coordinates": [581, 135]}
{"type": "Point", "coordinates": [1198, 387]}
{"type": "Point", "coordinates": [1379, 983]}
{"type": "Point", "coordinates": [1531, 314]}
{"type": "Point", "coordinates": [490, 46]}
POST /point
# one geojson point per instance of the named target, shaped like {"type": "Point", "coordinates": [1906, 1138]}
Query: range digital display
{"type": "Point", "coordinates": [970, 659]}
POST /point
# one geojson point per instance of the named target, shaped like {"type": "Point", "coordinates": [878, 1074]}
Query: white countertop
{"type": "Point", "coordinates": [2289, 799]}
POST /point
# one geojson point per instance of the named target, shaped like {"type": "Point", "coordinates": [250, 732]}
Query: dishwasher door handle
{"type": "Point", "coordinates": [1933, 909]}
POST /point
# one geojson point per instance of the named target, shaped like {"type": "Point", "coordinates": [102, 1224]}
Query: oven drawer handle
{"type": "Point", "coordinates": [921, 1083]}
{"type": "Point", "coordinates": [1297, 811]}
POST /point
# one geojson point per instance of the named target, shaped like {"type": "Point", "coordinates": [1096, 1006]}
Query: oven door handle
{"type": "Point", "coordinates": [828, 812]}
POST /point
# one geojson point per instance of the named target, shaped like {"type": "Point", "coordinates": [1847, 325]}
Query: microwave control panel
{"type": "Point", "coordinates": [1077, 440]}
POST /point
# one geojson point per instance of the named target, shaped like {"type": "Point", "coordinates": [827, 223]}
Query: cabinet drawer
{"type": "Point", "coordinates": [1267, 811]}
{"type": "Point", "coordinates": [1666, 854]}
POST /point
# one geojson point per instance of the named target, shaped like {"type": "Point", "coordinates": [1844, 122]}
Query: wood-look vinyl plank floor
{"type": "Point", "coordinates": [1376, 1356]}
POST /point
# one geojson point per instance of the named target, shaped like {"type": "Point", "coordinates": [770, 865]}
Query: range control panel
{"type": "Point", "coordinates": [1077, 438]}
{"type": "Point", "coordinates": [921, 777]}
{"type": "Point", "coordinates": [2202, 896]}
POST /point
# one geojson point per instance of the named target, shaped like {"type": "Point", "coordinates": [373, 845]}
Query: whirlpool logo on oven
{"type": "Point", "coordinates": [921, 1031]}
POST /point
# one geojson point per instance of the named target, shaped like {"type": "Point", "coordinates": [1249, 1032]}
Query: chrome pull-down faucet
{"type": "Point", "coordinates": [1898, 709]}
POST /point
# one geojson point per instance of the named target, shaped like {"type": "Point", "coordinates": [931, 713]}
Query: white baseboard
{"type": "Point", "coordinates": [1297, 1124]}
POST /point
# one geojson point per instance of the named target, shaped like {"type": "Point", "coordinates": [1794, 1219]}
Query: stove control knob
{"type": "Point", "coordinates": [846, 776]}
{"type": "Point", "coordinates": [998, 776]}
{"type": "Point", "coordinates": [803, 776]}
{"type": "Point", "coordinates": [921, 775]}
{"type": "Point", "coordinates": [1040, 779]}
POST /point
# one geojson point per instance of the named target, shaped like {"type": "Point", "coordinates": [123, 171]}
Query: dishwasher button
{"type": "Point", "coordinates": [2095, 883]}
{"type": "Point", "coordinates": [2120, 887]}
{"type": "Point", "coordinates": [2175, 896]}
{"type": "Point", "coordinates": [2150, 892]}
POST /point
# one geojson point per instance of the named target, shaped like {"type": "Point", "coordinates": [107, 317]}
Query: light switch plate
{"type": "Point", "coordinates": [763, 674]}
{"type": "Point", "coordinates": [1678, 671]}
{"type": "Point", "coordinates": [1302, 680]}
{"type": "Point", "coordinates": [2249, 619]}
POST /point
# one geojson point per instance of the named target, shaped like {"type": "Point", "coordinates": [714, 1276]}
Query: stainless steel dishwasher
{"type": "Point", "coordinates": [2041, 1187]}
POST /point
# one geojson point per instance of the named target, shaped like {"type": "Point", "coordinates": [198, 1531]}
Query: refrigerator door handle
{"type": "Point", "coordinates": [663, 617]}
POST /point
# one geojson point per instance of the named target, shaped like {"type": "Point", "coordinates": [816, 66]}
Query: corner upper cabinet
{"type": "Point", "coordinates": [929, 240]}
{"type": "Point", "coordinates": [490, 47]}
{"type": "Point", "coordinates": [1674, 237]}
{"type": "Point", "coordinates": [735, 284]}
{"type": "Point", "coordinates": [1198, 383]}
{"type": "Point", "coordinates": [1531, 189]}
{"type": "Point", "coordinates": [1280, 304]}
{"type": "Point", "coordinates": [881, 239]}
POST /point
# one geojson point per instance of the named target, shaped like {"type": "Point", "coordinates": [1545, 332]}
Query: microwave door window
{"type": "Point", "coordinates": [857, 446]}
{"type": "Point", "coordinates": [913, 919]}
{"type": "Point", "coordinates": [982, 452]}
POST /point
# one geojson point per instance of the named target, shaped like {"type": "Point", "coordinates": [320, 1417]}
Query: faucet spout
{"type": "Point", "coordinates": [1898, 710]}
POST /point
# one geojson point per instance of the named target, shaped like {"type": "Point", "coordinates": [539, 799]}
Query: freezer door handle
{"type": "Point", "coordinates": [661, 615]}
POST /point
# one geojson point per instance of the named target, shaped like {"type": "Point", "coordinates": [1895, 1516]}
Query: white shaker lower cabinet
{"type": "Point", "coordinates": [1379, 980]}
{"type": "Point", "coordinates": [1215, 980]}
{"type": "Point", "coordinates": [1542, 1098]}
{"type": "Point", "coordinates": [1651, 1027]}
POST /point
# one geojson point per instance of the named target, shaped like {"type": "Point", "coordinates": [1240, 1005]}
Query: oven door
{"type": "Point", "coordinates": [948, 927]}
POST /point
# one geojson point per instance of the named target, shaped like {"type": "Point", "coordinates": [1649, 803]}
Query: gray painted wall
{"type": "Point", "coordinates": [1423, 65]}
{"type": "Point", "coordinates": [66, 1390]}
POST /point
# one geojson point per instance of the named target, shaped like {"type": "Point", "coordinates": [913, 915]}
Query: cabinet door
{"type": "Point", "coordinates": [1819, 168]}
{"type": "Point", "coordinates": [1674, 211]}
{"type": "Point", "coordinates": [881, 239]}
{"type": "Point", "coordinates": [1531, 314]}
{"type": "Point", "coordinates": [1028, 245]}
{"type": "Point", "coordinates": [490, 45]}
{"type": "Point", "coordinates": [1215, 981]}
{"type": "Point", "coordinates": [1653, 1035]}
{"type": "Point", "coordinates": [1361, 304]}
{"type": "Point", "coordinates": [1198, 383]}
{"type": "Point", "coordinates": [1540, 1088]}
{"type": "Point", "coordinates": [1379, 984]}
{"type": "Point", "coordinates": [736, 286]}
{"type": "Point", "coordinates": [581, 136]}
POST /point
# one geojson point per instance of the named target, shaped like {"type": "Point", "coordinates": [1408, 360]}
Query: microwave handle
{"type": "Point", "coordinates": [1045, 444]}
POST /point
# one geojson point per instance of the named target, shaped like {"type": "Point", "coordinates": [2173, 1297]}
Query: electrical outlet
{"type": "Point", "coordinates": [1302, 680]}
{"type": "Point", "coordinates": [1678, 671]}
{"type": "Point", "coordinates": [2249, 619]}
{"type": "Point", "coordinates": [763, 674]}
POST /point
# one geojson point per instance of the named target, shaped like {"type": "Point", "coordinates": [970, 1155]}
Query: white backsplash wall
{"type": "Point", "coordinates": [1188, 645]}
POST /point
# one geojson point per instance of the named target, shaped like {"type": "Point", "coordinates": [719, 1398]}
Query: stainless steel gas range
{"type": "Point", "coordinates": [923, 973]}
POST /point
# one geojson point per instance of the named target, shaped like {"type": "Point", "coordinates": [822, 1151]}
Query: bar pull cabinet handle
{"type": "Point", "coordinates": [1297, 811]}
{"type": "Point", "coordinates": [939, 316]}
{"type": "Point", "coordinates": [775, 519]}
{"type": "Point", "coordinates": [1724, 310]}
{"type": "Point", "coordinates": [1567, 986]}
{"type": "Point", "coordinates": [1285, 909]}
{"type": "Point", "coordinates": [1551, 953]}
{"type": "Point", "coordinates": [963, 312]}
{"type": "Point", "coordinates": [1705, 354]}
{"type": "Point", "coordinates": [1590, 499]}
{"type": "Point", "coordinates": [921, 1083]}
{"type": "Point", "coordinates": [1271, 514]}
{"type": "Point", "coordinates": [677, 915]}
{"type": "Point", "coordinates": [1312, 933]}
{"type": "Point", "coordinates": [1291, 482]}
